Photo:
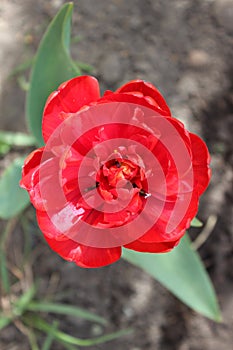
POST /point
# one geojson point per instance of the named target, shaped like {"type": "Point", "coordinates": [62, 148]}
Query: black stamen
{"type": "Point", "coordinates": [144, 193]}
{"type": "Point", "coordinates": [141, 192]}
{"type": "Point", "coordinates": [118, 164]}
{"type": "Point", "coordinates": [92, 187]}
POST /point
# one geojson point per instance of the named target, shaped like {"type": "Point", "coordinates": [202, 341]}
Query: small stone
{"type": "Point", "coordinates": [223, 10]}
{"type": "Point", "coordinates": [143, 66]}
{"type": "Point", "coordinates": [135, 22]}
{"type": "Point", "coordinates": [28, 39]}
{"type": "Point", "coordinates": [188, 86]}
{"type": "Point", "coordinates": [96, 330]}
{"type": "Point", "coordinates": [198, 58]}
{"type": "Point", "coordinates": [110, 69]}
{"type": "Point", "coordinates": [57, 3]}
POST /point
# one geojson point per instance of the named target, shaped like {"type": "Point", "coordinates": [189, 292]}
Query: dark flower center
{"type": "Point", "coordinates": [120, 178]}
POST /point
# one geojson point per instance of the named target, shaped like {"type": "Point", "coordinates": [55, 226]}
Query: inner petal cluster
{"type": "Point", "coordinates": [119, 178]}
{"type": "Point", "coordinates": [122, 187]}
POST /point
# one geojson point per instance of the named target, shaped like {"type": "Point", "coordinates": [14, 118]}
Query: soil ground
{"type": "Point", "coordinates": [184, 47]}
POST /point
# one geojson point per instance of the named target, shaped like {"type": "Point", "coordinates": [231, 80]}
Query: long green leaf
{"type": "Point", "coordinates": [13, 199]}
{"type": "Point", "coordinates": [182, 272]}
{"type": "Point", "coordinates": [51, 67]}
{"type": "Point", "coordinates": [65, 310]}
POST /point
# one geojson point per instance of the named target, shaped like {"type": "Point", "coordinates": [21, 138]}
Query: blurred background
{"type": "Point", "coordinates": [184, 47]}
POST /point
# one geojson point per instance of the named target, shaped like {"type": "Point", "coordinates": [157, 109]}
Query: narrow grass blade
{"type": "Point", "coordinates": [66, 338]}
{"type": "Point", "coordinates": [22, 67]}
{"type": "Point", "coordinates": [50, 338]}
{"type": "Point", "coordinates": [18, 139]}
{"type": "Point", "coordinates": [65, 310]}
{"type": "Point", "coordinates": [4, 273]}
{"type": "Point", "coordinates": [4, 321]}
{"type": "Point", "coordinates": [22, 303]}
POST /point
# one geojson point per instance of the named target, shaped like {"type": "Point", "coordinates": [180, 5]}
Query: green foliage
{"type": "Point", "coordinates": [13, 199]}
{"type": "Point", "coordinates": [41, 325]}
{"type": "Point", "coordinates": [22, 67]}
{"type": "Point", "coordinates": [4, 321]}
{"type": "Point", "coordinates": [182, 272]}
{"type": "Point", "coordinates": [51, 67]}
{"type": "Point", "coordinates": [27, 310]}
{"type": "Point", "coordinates": [196, 223]}
{"type": "Point", "coordinates": [84, 67]}
{"type": "Point", "coordinates": [4, 148]}
{"type": "Point", "coordinates": [64, 310]}
{"type": "Point", "coordinates": [16, 139]}
{"type": "Point", "coordinates": [50, 337]}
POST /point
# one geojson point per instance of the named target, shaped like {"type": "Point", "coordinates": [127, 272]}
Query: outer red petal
{"type": "Point", "coordinates": [149, 91]}
{"type": "Point", "coordinates": [40, 175]}
{"type": "Point", "coordinates": [156, 247]}
{"type": "Point", "coordinates": [72, 251]}
{"type": "Point", "coordinates": [30, 164]}
{"type": "Point", "coordinates": [131, 98]}
{"type": "Point", "coordinates": [201, 161]}
{"type": "Point", "coordinates": [30, 177]}
{"type": "Point", "coordinates": [68, 98]}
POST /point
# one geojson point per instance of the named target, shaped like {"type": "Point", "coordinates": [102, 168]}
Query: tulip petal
{"type": "Point", "coordinates": [200, 161]}
{"type": "Point", "coordinates": [30, 177]}
{"type": "Point", "coordinates": [69, 196]}
{"type": "Point", "coordinates": [150, 93]}
{"type": "Point", "coordinates": [69, 98]}
{"type": "Point", "coordinates": [156, 247]}
{"type": "Point", "coordinates": [132, 98]}
{"type": "Point", "coordinates": [70, 250]}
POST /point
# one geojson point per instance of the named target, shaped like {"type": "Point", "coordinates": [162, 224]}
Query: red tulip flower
{"type": "Point", "coordinates": [115, 171]}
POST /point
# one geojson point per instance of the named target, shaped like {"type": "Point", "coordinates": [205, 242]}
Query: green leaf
{"type": "Point", "coordinates": [14, 139]}
{"type": "Point", "coordinates": [84, 67]}
{"type": "Point", "coordinates": [68, 346]}
{"type": "Point", "coordinates": [4, 321]}
{"type": "Point", "coordinates": [196, 223]}
{"type": "Point", "coordinates": [4, 272]}
{"type": "Point", "coordinates": [65, 310]}
{"type": "Point", "coordinates": [17, 139]}
{"type": "Point", "coordinates": [22, 67]}
{"type": "Point", "coordinates": [50, 337]}
{"type": "Point", "coordinates": [51, 67]}
{"type": "Point", "coordinates": [3, 256]}
{"type": "Point", "coordinates": [32, 339]}
{"type": "Point", "coordinates": [4, 148]}
{"type": "Point", "coordinates": [13, 199]}
{"type": "Point", "coordinates": [66, 338]}
{"type": "Point", "coordinates": [21, 304]}
{"type": "Point", "coordinates": [182, 272]}
{"type": "Point", "coordinates": [23, 83]}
